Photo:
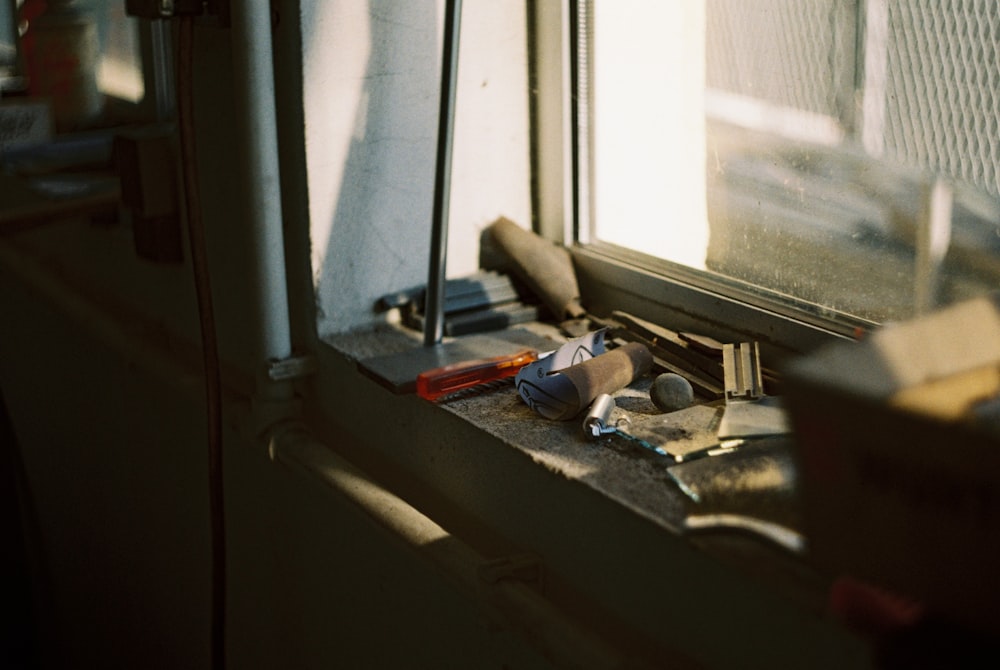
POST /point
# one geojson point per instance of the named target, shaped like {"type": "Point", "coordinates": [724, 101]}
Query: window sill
{"type": "Point", "coordinates": [607, 465]}
{"type": "Point", "coordinates": [604, 518]}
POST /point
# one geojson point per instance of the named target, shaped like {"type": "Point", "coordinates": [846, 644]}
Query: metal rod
{"type": "Point", "coordinates": [162, 74]}
{"type": "Point", "coordinates": [434, 302]}
{"type": "Point", "coordinates": [933, 239]}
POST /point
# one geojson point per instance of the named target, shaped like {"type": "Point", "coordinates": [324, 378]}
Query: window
{"type": "Point", "coordinates": [833, 161]}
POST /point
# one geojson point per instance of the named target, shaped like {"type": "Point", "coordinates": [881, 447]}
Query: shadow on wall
{"type": "Point", "coordinates": [374, 145]}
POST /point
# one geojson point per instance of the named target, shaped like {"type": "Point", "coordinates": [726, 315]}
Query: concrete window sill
{"type": "Point", "coordinates": [604, 520]}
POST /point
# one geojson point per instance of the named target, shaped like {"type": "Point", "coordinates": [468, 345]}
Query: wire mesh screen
{"type": "Point", "coordinates": [915, 81]}
{"type": "Point", "coordinates": [790, 53]}
{"type": "Point", "coordinates": [942, 88]}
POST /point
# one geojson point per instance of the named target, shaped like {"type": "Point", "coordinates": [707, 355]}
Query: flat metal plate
{"type": "Point", "coordinates": [753, 418]}
{"type": "Point", "coordinates": [398, 372]}
{"type": "Point", "coordinates": [757, 480]}
{"type": "Point", "coordinates": [679, 433]}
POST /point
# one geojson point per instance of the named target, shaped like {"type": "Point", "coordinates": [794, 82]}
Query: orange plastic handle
{"type": "Point", "coordinates": [448, 379]}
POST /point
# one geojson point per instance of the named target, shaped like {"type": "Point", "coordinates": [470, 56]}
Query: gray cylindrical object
{"type": "Point", "coordinates": [598, 416]}
{"type": "Point", "coordinates": [253, 58]}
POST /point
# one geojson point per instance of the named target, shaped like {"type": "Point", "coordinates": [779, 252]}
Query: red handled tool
{"type": "Point", "coordinates": [439, 382]}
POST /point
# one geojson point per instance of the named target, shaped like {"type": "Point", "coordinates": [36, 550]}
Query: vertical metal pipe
{"type": "Point", "coordinates": [254, 85]}
{"type": "Point", "coordinates": [552, 64]}
{"type": "Point", "coordinates": [434, 302]}
{"type": "Point", "coordinates": [933, 240]}
{"type": "Point", "coordinates": [161, 74]}
{"type": "Point", "coordinates": [874, 53]}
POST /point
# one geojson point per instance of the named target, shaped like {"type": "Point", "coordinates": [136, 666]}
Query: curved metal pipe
{"type": "Point", "coordinates": [507, 600]}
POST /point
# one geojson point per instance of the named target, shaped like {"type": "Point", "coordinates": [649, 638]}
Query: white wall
{"type": "Point", "coordinates": [371, 95]}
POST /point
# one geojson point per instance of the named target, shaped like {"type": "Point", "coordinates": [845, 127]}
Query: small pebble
{"type": "Point", "coordinates": [671, 392]}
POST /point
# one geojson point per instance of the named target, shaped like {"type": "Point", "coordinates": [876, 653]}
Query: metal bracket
{"type": "Point", "coordinates": [295, 367]}
{"type": "Point", "coordinates": [748, 413]}
{"type": "Point", "coordinates": [741, 366]}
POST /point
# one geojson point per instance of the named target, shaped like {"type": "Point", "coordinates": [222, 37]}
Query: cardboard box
{"type": "Point", "coordinates": [900, 483]}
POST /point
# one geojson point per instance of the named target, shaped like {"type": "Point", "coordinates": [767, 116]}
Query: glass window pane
{"type": "Point", "coordinates": [840, 153]}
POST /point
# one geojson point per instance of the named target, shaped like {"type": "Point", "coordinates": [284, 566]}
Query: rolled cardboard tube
{"type": "Point", "coordinates": [546, 267]}
{"type": "Point", "coordinates": [606, 373]}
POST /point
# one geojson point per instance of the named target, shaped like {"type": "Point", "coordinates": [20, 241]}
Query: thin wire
{"type": "Point", "coordinates": [209, 340]}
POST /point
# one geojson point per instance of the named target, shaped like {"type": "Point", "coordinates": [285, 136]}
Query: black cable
{"type": "Point", "coordinates": [209, 339]}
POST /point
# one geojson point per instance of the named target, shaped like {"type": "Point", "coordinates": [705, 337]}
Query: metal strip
{"type": "Point", "coordinates": [434, 310]}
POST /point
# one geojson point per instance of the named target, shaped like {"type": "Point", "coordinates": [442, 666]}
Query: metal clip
{"type": "Point", "coordinates": [291, 368]}
{"type": "Point", "coordinates": [749, 412]}
{"type": "Point", "coordinates": [596, 423]}
{"type": "Point", "coordinates": [741, 365]}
